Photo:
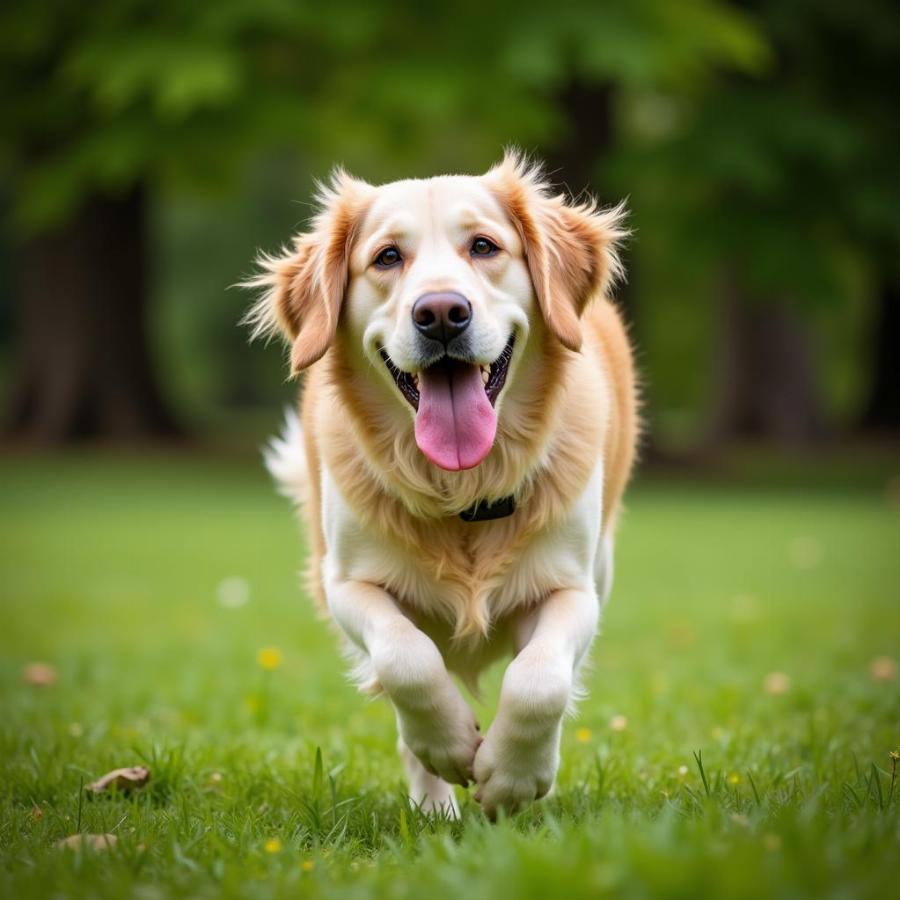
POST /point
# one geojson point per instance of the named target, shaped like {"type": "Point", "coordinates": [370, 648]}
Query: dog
{"type": "Point", "coordinates": [467, 427]}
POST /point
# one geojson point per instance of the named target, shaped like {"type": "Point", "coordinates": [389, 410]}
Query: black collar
{"type": "Point", "coordinates": [484, 512]}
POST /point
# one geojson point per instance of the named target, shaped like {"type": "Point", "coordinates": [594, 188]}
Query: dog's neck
{"type": "Point", "coordinates": [486, 511]}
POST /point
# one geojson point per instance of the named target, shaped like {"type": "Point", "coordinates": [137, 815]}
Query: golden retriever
{"type": "Point", "coordinates": [467, 428]}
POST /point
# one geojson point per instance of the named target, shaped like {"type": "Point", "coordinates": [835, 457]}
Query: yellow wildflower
{"type": "Point", "coordinates": [269, 658]}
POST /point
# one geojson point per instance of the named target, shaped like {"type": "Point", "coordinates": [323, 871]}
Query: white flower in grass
{"type": "Point", "coordinates": [233, 592]}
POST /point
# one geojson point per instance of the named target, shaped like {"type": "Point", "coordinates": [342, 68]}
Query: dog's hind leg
{"type": "Point", "coordinates": [429, 792]}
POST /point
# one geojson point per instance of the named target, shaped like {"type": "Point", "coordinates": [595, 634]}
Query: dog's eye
{"type": "Point", "coordinates": [388, 258]}
{"type": "Point", "coordinates": [481, 246]}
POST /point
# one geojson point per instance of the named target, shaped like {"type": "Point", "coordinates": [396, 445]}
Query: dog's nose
{"type": "Point", "coordinates": [442, 315]}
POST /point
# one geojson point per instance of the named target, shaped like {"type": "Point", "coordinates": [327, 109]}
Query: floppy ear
{"type": "Point", "coordinates": [570, 249]}
{"type": "Point", "coordinates": [304, 286]}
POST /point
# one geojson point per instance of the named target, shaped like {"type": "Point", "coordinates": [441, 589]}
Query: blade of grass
{"type": "Point", "coordinates": [698, 756]}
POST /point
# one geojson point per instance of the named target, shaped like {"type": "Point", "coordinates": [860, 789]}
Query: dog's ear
{"type": "Point", "coordinates": [570, 249]}
{"type": "Point", "coordinates": [303, 287]}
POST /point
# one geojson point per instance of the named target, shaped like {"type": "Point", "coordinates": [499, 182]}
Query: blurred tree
{"type": "Point", "coordinates": [83, 365]}
{"type": "Point", "coordinates": [101, 106]}
{"type": "Point", "coordinates": [593, 56]}
{"type": "Point", "coordinates": [781, 187]}
{"type": "Point", "coordinates": [881, 412]}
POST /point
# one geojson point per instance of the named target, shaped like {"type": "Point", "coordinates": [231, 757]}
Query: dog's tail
{"type": "Point", "coordinates": [285, 458]}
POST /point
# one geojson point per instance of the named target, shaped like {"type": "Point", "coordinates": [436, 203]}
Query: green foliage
{"type": "Point", "coordinates": [210, 103]}
{"type": "Point", "coordinates": [95, 97]}
{"type": "Point", "coordinates": [786, 178]}
{"type": "Point", "coordinates": [113, 569]}
{"type": "Point", "coordinates": [755, 138]}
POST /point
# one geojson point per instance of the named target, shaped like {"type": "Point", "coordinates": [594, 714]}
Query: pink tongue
{"type": "Point", "coordinates": [455, 423]}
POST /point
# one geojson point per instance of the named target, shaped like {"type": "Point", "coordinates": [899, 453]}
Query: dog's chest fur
{"type": "Point", "coordinates": [467, 577]}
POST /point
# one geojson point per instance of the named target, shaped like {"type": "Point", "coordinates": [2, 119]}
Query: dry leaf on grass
{"type": "Point", "coordinates": [883, 668]}
{"type": "Point", "coordinates": [94, 841]}
{"type": "Point", "coordinates": [121, 779]}
{"type": "Point", "coordinates": [39, 674]}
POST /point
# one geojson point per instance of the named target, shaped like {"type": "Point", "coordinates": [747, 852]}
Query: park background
{"type": "Point", "coordinates": [148, 151]}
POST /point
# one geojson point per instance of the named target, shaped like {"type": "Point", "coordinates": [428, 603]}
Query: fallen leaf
{"type": "Point", "coordinates": [883, 668]}
{"type": "Point", "coordinates": [37, 813]}
{"type": "Point", "coordinates": [121, 779]}
{"type": "Point", "coordinates": [94, 841]}
{"type": "Point", "coordinates": [777, 683]}
{"type": "Point", "coordinates": [39, 674]}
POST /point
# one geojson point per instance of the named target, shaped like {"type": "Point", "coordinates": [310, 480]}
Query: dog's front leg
{"type": "Point", "coordinates": [518, 760]}
{"type": "Point", "coordinates": [434, 720]}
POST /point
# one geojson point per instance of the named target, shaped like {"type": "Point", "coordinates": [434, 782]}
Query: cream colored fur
{"type": "Point", "coordinates": [418, 593]}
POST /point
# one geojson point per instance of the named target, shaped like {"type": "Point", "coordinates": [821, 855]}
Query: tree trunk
{"type": "Point", "coordinates": [766, 386]}
{"type": "Point", "coordinates": [588, 137]}
{"type": "Point", "coordinates": [586, 144]}
{"type": "Point", "coordinates": [882, 409]}
{"type": "Point", "coordinates": [83, 367]}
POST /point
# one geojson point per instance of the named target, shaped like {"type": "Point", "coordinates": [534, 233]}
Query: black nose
{"type": "Point", "coordinates": [441, 316]}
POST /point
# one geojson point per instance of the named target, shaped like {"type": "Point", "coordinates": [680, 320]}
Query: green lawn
{"type": "Point", "coordinates": [113, 572]}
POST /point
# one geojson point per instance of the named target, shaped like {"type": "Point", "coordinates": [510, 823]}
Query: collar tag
{"type": "Point", "coordinates": [484, 512]}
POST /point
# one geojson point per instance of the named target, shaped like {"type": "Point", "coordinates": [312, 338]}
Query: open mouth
{"type": "Point", "coordinates": [454, 402]}
{"type": "Point", "coordinates": [493, 376]}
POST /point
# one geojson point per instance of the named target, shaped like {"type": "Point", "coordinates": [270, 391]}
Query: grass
{"type": "Point", "coordinates": [735, 742]}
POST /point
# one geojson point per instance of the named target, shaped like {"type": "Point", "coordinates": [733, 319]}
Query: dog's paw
{"type": "Point", "coordinates": [512, 773]}
{"type": "Point", "coordinates": [444, 740]}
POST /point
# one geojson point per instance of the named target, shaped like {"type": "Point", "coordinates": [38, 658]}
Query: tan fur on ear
{"type": "Point", "coordinates": [570, 249]}
{"type": "Point", "coordinates": [304, 286]}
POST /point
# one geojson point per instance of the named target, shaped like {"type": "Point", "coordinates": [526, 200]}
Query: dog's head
{"type": "Point", "coordinates": [439, 286]}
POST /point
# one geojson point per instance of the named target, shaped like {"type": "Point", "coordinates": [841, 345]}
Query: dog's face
{"type": "Point", "coordinates": [438, 286]}
{"type": "Point", "coordinates": [439, 297]}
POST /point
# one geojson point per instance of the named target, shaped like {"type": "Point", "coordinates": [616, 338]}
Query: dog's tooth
{"type": "Point", "coordinates": [415, 381]}
{"type": "Point", "coordinates": [485, 374]}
